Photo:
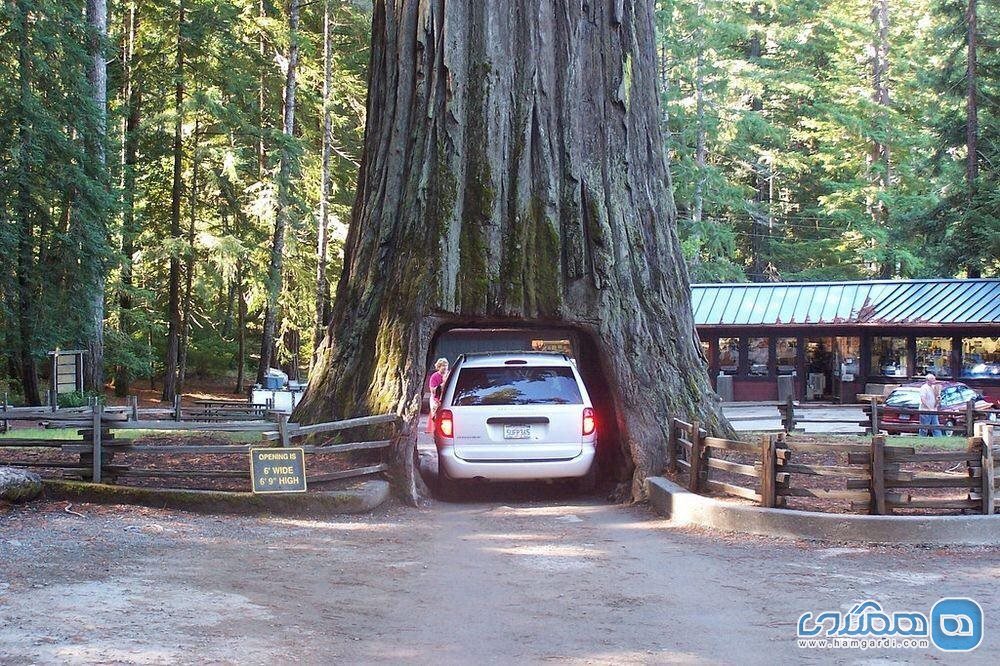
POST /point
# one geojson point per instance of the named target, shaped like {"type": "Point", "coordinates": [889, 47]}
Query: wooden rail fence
{"type": "Point", "coordinates": [96, 449]}
{"type": "Point", "coordinates": [873, 478]}
{"type": "Point", "coordinates": [794, 414]}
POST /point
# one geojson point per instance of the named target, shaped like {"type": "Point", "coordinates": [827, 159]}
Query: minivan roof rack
{"type": "Point", "coordinates": [532, 352]}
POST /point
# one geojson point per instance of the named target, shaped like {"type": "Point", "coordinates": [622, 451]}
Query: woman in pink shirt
{"type": "Point", "coordinates": [436, 385]}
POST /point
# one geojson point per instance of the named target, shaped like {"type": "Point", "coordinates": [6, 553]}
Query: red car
{"type": "Point", "coordinates": [954, 397]}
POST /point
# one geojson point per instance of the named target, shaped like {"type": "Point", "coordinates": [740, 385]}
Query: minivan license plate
{"type": "Point", "coordinates": [516, 431]}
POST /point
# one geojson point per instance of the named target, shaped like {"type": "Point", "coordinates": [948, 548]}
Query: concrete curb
{"type": "Point", "coordinates": [683, 507]}
{"type": "Point", "coordinates": [362, 498]}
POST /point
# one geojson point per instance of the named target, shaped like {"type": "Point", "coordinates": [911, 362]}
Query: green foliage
{"type": "Point", "coordinates": [79, 398]}
{"type": "Point", "coordinates": [799, 116]}
{"type": "Point", "coordinates": [233, 60]}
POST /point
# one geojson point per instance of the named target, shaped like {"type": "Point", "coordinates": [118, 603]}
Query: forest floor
{"type": "Point", "coordinates": [516, 575]}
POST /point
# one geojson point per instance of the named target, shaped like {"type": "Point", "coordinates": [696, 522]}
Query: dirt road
{"type": "Point", "coordinates": [502, 580]}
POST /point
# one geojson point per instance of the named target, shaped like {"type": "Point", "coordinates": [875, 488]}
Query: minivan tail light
{"type": "Point", "coordinates": [446, 423]}
{"type": "Point", "coordinates": [589, 423]}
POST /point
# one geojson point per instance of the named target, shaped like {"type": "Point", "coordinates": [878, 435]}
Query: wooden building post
{"type": "Point", "coordinates": [970, 418]}
{"type": "Point", "coordinates": [874, 416]}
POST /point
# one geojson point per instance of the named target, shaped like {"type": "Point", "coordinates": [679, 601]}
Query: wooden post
{"type": "Point", "coordinates": [98, 409]}
{"type": "Point", "coordinates": [874, 416]}
{"type": "Point", "coordinates": [672, 446]}
{"type": "Point", "coordinates": [283, 430]}
{"type": "Point", "coordinates": [133, 402]}
{"type": "Point", "coordinates": [694, 478]}
{"type": "Point", "coordinates": [789, 414]}
{"type": "Point", "coordinates": [970, 418]}
{"type": "Point", "coordinates": [177, 408]}
{"type": "Point", "coordinates": [3, 422]}
{"type": "Point", "coordinates": [768, 472]}
{"type": "Point", "coordinates": [989, 471]}
{"type": "Point", "coordinates": [878, 475]}
{"type": "Point", "coordinates": [54, 391]}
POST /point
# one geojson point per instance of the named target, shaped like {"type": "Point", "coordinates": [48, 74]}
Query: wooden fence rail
{"type": "Point", "coordinates": [96, 448]}
{"type": "Point", "coordinates": [871, 479]}
{"type": "Point", "coordinates": [794, 414]}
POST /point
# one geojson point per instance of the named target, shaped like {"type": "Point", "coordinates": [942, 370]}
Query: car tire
{"type": "Point", "coordinates": [588, 482]}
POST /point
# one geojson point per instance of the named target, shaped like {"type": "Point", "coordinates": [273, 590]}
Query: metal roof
{"type": "Point", "coordinates": [876, 302]}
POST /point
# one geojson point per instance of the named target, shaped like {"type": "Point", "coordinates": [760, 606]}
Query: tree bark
{"type": "Point", "coordinates": [880, 167]}
{"type": "Point", "coordinates": [513, 173]}
{"type": "Point", "coordinates": [132, 93]}
{"type": "Point", "coordinates": [283, 212]}
{"type": "Point", "coordinates": [760, 210]}
{"type": "Point", "coordinates": [241, 335]}
{"type": "Point", "coordinates": [972, 115]}
{"type": "Point", "coordinates": [700, 149]}
{"type": "Point", "coordinates": [176, 192]}
{"type": "Point", "coordinates": [24, 211]}
{"type": "Point", "coordinates": [189, 261]}
{"type": "Point", "coordinates": [322, 282]}
{"type": "Point", "coordinates": [97, 76]}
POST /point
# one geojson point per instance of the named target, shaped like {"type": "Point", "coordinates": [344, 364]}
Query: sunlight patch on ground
{"type": "Point", "coordinates": [335, 526]}
{"type": "Point", "coordinates": [547, 551]}
{"type": "Point", "coordinates": [544, 511]}
{"type": "Point", "coordinates": [510, 537]}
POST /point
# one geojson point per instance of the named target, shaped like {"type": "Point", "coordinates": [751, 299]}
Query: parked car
{"type": "Point", "coordinates": [516, 416]}
{"type": "Point", "coordinates": [954, 397]}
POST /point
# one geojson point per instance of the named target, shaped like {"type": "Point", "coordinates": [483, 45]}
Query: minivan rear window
{"type": "Point", "coordinates": [531, 385]}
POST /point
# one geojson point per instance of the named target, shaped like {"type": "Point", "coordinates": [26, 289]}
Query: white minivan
{"type": "Point", "coordinates": [509, 416]}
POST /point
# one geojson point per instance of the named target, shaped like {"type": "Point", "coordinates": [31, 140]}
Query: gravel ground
{"type": "Point", "coordinates": [524, 574]}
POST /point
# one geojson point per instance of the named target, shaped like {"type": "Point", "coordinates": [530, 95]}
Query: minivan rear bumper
{"type": "Point", "coordinates": [515, 470]}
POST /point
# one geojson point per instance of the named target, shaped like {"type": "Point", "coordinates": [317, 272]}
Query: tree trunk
{"type": "Point", "coordinates": [189, 263]}
{"type": "Point", "coordinates": [700, 150]}
{"type": "Point", "coordinates": [761, 217]}
{"type": "Point", "coordinates": [173, 299]}
{"type": "Point", "coordinates": [513, 173]}
{"type": "Point", "coordinates": [241, 335]}
{"type": "Point", "coordinates": [322, 282]}
{"type": "Point", "coordinates": [97, 76]}
{"type": "Point", "coordinates": [879, 159]}
{"type": "Point", "coordinates": [972, 115]}
{"type": "Point", "coordinates": [25, 243]}
{"type": "Point", "coordinates": [284, 204]}
{"type": "Point", "coordinates": [132, 90]}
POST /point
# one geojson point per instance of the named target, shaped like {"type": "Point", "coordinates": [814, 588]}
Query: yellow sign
{"type": "Point", "coordinates": [278, 470]}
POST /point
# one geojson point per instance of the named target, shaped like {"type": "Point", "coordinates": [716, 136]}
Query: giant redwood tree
{"type": "Point", "coordinates": [513, 173]}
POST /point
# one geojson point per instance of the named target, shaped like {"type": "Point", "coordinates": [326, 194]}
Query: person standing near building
{"type": "Point", "coordinates": [929, 399]}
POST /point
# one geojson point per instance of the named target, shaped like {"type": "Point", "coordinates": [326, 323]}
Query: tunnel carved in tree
{"type": "Point", "coordinates": [513, 172]}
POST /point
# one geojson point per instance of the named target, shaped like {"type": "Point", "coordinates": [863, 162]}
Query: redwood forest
{"type": "Point", "coordinates": [177, 179]}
